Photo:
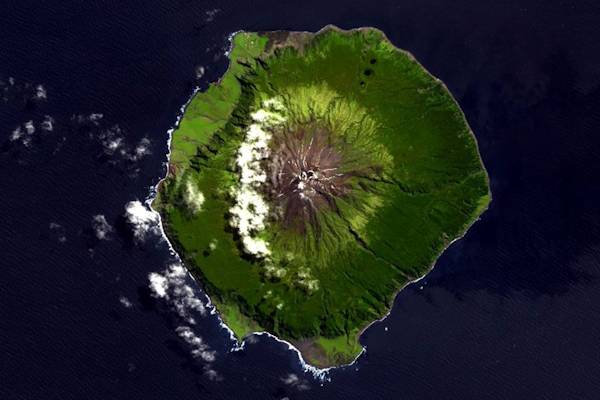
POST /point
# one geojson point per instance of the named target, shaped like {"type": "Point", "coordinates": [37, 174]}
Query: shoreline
{"type": "Point", "coordinates": [321, 374]}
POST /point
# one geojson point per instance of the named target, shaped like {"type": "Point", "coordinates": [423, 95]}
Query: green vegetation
{"type": "Point", "coordinates": [338, 348]}
{"type": "Point", "coordinates": [320, 175]}
{"type": "Point", "coordinates": [236, 321]}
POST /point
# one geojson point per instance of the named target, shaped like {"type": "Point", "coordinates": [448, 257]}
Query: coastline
{"type": "Point", "coordinates": [239, 344]}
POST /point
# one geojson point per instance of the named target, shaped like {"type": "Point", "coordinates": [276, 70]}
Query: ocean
{"type": "Point", "coordinates": [88, 93]}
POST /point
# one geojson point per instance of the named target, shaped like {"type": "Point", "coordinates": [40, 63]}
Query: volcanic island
{"type": "Point", "coordinates": [320, 175]}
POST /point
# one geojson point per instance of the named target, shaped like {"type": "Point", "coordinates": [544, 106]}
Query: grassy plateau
{"type": "Point", "coordinates": [320, 175]}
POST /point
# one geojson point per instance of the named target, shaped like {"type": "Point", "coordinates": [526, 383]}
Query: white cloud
{"type": "Point", "coordinates": [93, 118]}
{"type": "Point", "coordinates": [210, 14]}
{"type": "Point", "coordinates": [295, 381]}
{"type": "Point", "coordinates": [40, 93]}
{"type": "Point", "coordinates": [290, 379]}
{"type": "Point", "coordinates": [25, 132]}
{"type": "Point", "coordinates": [250, 210]}
{"type": "Point", "coordinates": [199, 348]}
{"type": "Point", "coordinates": [29, 127]}
{"type": "Point", "coordinates": [143, 220]}
{"type": "Point", "coordinates": [200, 72]}
{"type": "Point", "coordinates": [17, 134]}
{"type": "Point", "coordinates": [101, 227]}
{"type": "Point", "coordinates": [47, 124]}
{"type": "Point", "coordinates": [305, 279]}
{"type": "Point", "coordinates": [193, 198]}
{"type": "Point", "coordinates": [211, 374]}
{"type": "Point", "coordinates": [251, 339]}
{"type": "Point", "coordinates": [125, 302]}
{"type": "Point", "coordinates": [114, 139]}
{"type": "Point", "coordinates": [111, 139]}
{"type": "Point", "coordinates": [142, 149]}
{"type": "Point", "coordinates": [13, 90]}
{"type": "Point", "coordinates": [114, 143]}
{"type": "Point", "coordinates": [171, 285]}
{"type": "Point", "coordinates": [58, 231]}
{"type": "Point", "coordinates": [158, 284]}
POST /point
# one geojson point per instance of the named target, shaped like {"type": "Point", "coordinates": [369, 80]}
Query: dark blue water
{"type": "Point", "coordinates": [511, 311]}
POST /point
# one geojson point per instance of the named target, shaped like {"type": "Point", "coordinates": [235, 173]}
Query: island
{"type": "Point", "coordinates": [320, 175]}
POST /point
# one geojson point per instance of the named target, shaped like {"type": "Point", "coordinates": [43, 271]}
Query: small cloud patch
{"type": "Point", "coordinates": [47, 124]}
{"type": "Point", "coordinates": [27, 94]}
{"type": "Point", "coordinates": [101, 227]}
{"type": "Point", "coordinates": [114, 144]}
{"type": "Point", "coordinates": [116, 147]}
{"type": "Point", "coordinates": [40, 93]}
{"type": "Point", "coordinates": [27, 132]}
{"type": "Point", "coordinates": [296, 382]}
{"type": "Point", "coordinates": [141, 150]}
{"type": "Point", "coordinates": [92, 119]}
{"type": "Point", "coordinates": [199, 347]}
{"type": "Point", "coordinates": [193, 198]}
{"type": "Point", "coordinates": [211, 374]}
{"type": "Point", "coordinates": [200, 72]}
{"type": "Point", "coordinates": [125, 302]}
{"type": "Point", "coordinates": [211, 14]}
{"type": "Point", "coordinates": [171, 285]}
{"type": "Point", "coordinates": [58, 232]}
{"type": "Point", "coordinates": [143, 220]}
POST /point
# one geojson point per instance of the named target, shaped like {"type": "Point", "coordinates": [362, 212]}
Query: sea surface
{"type": "Point", "coordinates": [93, 305]}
